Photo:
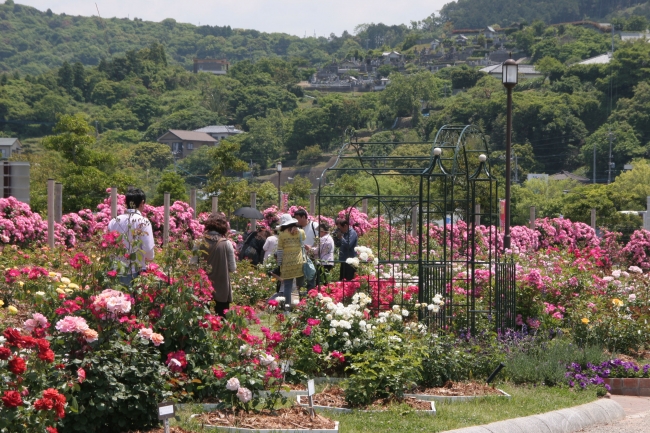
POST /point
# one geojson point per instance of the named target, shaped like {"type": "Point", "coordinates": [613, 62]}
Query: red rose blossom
{"type": "Point", "coordinates": [12, 399]}
{"type": "Point", "coordinates": [17, 365]}
{"type": "Point", "coordinates": [5, 353]}
{"type": "Point", "coordinates": [51, 430]}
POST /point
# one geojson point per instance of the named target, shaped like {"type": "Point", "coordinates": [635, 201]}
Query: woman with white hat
{"type": "Point", "coordinates": [290, 257]}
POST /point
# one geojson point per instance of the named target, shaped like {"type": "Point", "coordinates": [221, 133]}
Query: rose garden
{"type": "Point", "coordinates": [80, 352]}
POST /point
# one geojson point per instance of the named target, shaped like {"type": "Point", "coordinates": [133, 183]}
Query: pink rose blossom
{"type": "Point", "coordinates": [244, 395]}
{"type": "Point", "coordinates": [71, 324]}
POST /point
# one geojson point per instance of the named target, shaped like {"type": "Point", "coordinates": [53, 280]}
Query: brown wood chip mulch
{"type": "Point", "coordinates": [288, 418]}
{"type": "Point", "coordinates": [455, 389]}
{"type": "Point", "coordinates": [335, 397]}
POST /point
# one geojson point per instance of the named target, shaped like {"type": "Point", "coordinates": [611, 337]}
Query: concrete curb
{"type": "Point", "coordinates": [558, 421]}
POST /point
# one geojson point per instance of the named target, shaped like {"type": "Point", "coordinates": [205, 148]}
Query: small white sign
{"type": "Point", "coordinates": [311, 388]}
{"type": "Point", "coordinates": [165, 411]}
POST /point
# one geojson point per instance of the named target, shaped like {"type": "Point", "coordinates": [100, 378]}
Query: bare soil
{"type": "Point", "coordinates": [289, 418]}
{"type": "Point", "coordinates": [456, 389]}
{"type": "Point", "coordinates": [335, 397]}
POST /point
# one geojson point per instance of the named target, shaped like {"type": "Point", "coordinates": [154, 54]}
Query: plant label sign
{"type": "Point", "coordinates": [165, 410]}
{"type": "Point", "coordinates": [311, 390]}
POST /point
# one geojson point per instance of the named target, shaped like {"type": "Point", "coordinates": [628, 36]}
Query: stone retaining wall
{"type": "Point", "coordinates": [630, 386]}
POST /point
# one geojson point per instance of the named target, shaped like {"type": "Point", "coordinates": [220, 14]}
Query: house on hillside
{"type": "Point", "coordinates": [9, 146]}
{"type": "Point", "coordinates": [461, 39]}
{"type": "Point", "coordinates": [182, 143]}
{"type": "Point", "coordinates": [219, 132]}
{"type": "Point", "coordinates": [603, 59]}
{"type": "Point", "coordinates": [392, 57]}
{"type": "Point", "coordinates": [213, 66]}
{"type": "Point", "coordinates": [633, 36]}
{"type": "Point", "coordinates": [490, 33]}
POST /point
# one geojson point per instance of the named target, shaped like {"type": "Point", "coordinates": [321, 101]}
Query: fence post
{"type": "Point", "coordinates": [58, 202]}
{"type": "Point", "coordinates": [114, 202]}
{"type": "Point", "coordinates": [312, 202]}
{"type": "Point", "coordinates": [254, 206]}
{"type": "Point", "coordinates": [193, 202]}
{"type": "Point", "coordinates": [593, 219]}
{"type": "Point", "coordinates": [533, 216]}
{"type": "Point", "coordinates": [166, 220]}
{"type": "Point", "coordinates": [477, 214]}
{"type": "Point", "coordinates": [414, 221]}
{"type": "Point", "coordinates": [215, 204]}
{"type": "Point", "coordinates": [364, 206]}
{"type": "Point", "coordinates": [50, 213]}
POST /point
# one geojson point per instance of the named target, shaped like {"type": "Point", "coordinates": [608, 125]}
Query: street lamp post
{"type": "Point", "coordinates": [279, 168]}
{"type": "Point", "coordinates": [509, 76]}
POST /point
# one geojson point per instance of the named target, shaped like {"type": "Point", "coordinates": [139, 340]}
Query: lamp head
{"type": "Point", "coordinates": [509, 73]}
{"type": "Point", "coordinates": [437, 151]}
{"type": "Point", "coordinates": [279, 167]}
{"type": "Point", "coordinates": [482, 158]}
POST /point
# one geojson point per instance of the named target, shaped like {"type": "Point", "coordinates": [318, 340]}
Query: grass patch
{"type": "Point", "coordinates": [526, 400]}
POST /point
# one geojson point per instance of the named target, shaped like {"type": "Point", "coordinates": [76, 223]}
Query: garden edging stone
{"type": "Point", "coordinates": [455, 398]}
{"type": "Point", "coordinates": [558, 421]}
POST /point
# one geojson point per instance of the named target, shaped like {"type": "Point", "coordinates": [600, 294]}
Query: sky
{"type": "Point", "coordinates": [296, 17]}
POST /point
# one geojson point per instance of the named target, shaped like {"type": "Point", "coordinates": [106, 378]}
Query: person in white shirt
{"type": "Point", "coordinates": [271, 245]}
{"type": "Point", "coordinates": [137, 235]}
{"type": "Point", "coordinates": [324, 253]}
{"type": "Point", "coordinates": [311, 234]}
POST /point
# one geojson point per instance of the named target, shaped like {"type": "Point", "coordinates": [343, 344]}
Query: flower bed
{"type": "Point", "coordinates": [288, 419]}
{"type": "Point", "coordinates": [334, 399]}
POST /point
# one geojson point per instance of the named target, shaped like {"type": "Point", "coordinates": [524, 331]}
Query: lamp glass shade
{"type": "Point", "coordinates": [279, 166]}
{"type": "Point", "coordinates": [510, 72]}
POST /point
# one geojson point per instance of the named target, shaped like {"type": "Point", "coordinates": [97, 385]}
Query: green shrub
{"type": "Point", "coordinates": [124, 383]}
{"type": "Point", "coordinates": [309, 154]}
{"type": "Point", "coordinates": [546, 363]}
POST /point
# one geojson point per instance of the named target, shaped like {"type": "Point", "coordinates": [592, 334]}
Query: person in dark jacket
{"type": "Point", "coordinates": [347, 242]}
{"type": "Point", "coordinates": [217, 255]}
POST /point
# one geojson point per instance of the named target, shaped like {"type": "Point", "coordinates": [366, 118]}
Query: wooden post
{"type": "Point", "coordinates": [254, 206]}
{"type": "Point", "coordinates": [50, 213]}
{"type": "Point", "coordinates": [533, 217]}
{"type": "Point", "coordinates": [166, 220]}
{"type": "Point", "coordinates": [414, 221]}
{"type": "Point", "coordinates": [58, 202]}
{"type": "Point", "coordinates": [593, 219]}
{"type": "Point", "coordinates": [215, 204]}
{"type": "Point", "coordinates": [193, 202]}
{"type": "Point", "coordinates": [364, 206]}
{"type": "Point", "coordinates": [477, 214]}
{"type": "Point", "coordinates": [312, 202]}
{"type": "Point", "coordinates": [114, 202]}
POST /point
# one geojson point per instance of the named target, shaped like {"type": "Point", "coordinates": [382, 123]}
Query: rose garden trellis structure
{"type": "Point", "coordinates": [450, 192]}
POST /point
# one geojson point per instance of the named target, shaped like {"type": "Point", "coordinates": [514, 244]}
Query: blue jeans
{"type": "Point", "coordinates": [287, 287]}
{"type": "Point", "coordinates": [127, 279]}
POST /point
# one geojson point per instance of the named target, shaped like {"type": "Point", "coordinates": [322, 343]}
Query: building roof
{"type": "Point", "coordinates": [603, 59]}
{"type": "Point", "coordinates": [8, 141]}
{"type": "Point", "coordinates": [491, 29]}
{"type": "Point", "coordinates": [568, 175]}
{"type": "Point", "coordinates": [523, 69]}
{"type": "Point", "coordinates": [389, 53]}
{"type": "Point", "coordinates": [191, 135]}
{"type": "Point", "coordinates": [219, 129]}
{"type": "Point", "coordinates": [631, 36]}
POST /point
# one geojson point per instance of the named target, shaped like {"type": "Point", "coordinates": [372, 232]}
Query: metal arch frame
{"type": "Point", "coordinates": [463, 181]}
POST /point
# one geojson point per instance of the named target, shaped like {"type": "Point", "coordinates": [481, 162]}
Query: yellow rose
{"type": "Point", "coordinates": [39, 294]}
{"type": "Point", "coordinates": [69, 290]}
{"type": "Point", "coordinates": [60, 290]}
{"type": "Point", "coordinates": [617, 302]}
{"type": "Point", "coordinates": [20, 283]}
{"type": "Point", "coordinates": [1, 303]}
{"type": "Point", "coordinates": [585, 320]}
{"type": "Point", "coordinates": [65, 280]}
{"type": "Point", "coordinates": [52, 274]}
{"type": "Point", "coordinates": [73, 286]}
{"type": "Point", "coordinates": [12, 309]}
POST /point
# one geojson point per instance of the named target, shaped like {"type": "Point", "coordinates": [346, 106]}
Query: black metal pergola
{"type": "Point", "coordinates": [438, 232]}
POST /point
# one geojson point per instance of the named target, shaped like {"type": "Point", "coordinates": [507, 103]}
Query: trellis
{"type": "Point", "coordinates": [450, 188]}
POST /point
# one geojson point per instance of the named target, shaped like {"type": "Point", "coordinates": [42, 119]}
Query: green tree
{"type": "Point", "coordinates": [636, 23]}
{"type": "Point", "coordinates": [625, 147]}
{"type": "Point", "coordinates": [73, 139]}
{"type": "Point", "coordinates": [172, 183]}
{"type": "Point", "coordinates": [406, 94]}
{"type": "Point", "coordinates": [152, 155]}
{"type": "Point", "coordinates": [551, 68]}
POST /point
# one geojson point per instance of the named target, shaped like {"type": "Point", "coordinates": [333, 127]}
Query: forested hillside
{"type": "Point", "coordinates": [479, 13]}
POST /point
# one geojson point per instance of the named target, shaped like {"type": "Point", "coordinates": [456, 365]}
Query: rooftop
{"type": "Point", "coordinates": [219, 129]}
{"type": "Point", "coordinates": [192, 135]}
{"type": "Point", "coordinates": [603, 59]}
{"type": "Point", "coordinates": [7, 141]}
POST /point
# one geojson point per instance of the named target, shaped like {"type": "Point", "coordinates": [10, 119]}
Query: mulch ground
{"type": "Point", "coordinates": [456, 389]}
{"type": "Point", "coordinates": [335, 397]}
{"type": "Point", "coordinates": [289, 418]}
{"type": "Point", "coordinates": [162, 430]}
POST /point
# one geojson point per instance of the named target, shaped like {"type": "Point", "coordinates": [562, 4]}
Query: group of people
{"type": "Point", "coordinates": [292, 240]}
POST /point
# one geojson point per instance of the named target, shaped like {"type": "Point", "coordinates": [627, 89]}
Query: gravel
{"type": "Point", "coordinates": [637, 423]}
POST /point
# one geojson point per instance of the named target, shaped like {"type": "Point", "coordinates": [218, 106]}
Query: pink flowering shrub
{"type": "Point", "coordinates": [637, 250]}
{"type": "Point", "coordinates": [358, 220]}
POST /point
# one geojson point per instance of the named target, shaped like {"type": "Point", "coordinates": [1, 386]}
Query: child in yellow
{"type": "Point", "coordinates": [290, 256]}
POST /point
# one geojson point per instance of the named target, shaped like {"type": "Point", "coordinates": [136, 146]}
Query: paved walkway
{"type": "Point", "coordinates": [637, 417]}
{"type": "Point", "coordinates": [617, 414]}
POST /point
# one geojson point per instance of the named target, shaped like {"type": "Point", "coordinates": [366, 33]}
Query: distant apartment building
{"type": "Point", "coordinates": [182, 143]}
{"type": "Point", "coordinates": [9, 146]}
{"type": "Point", "coordinates": [219, 132]}
{"type": "Point", "coordinates": [14, 180]}
{"type": "Point", "coordinates": [213, 66]}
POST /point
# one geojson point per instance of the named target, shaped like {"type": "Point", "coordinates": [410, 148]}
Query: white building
{"type": "Point", "coordinates": [9, 146]}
